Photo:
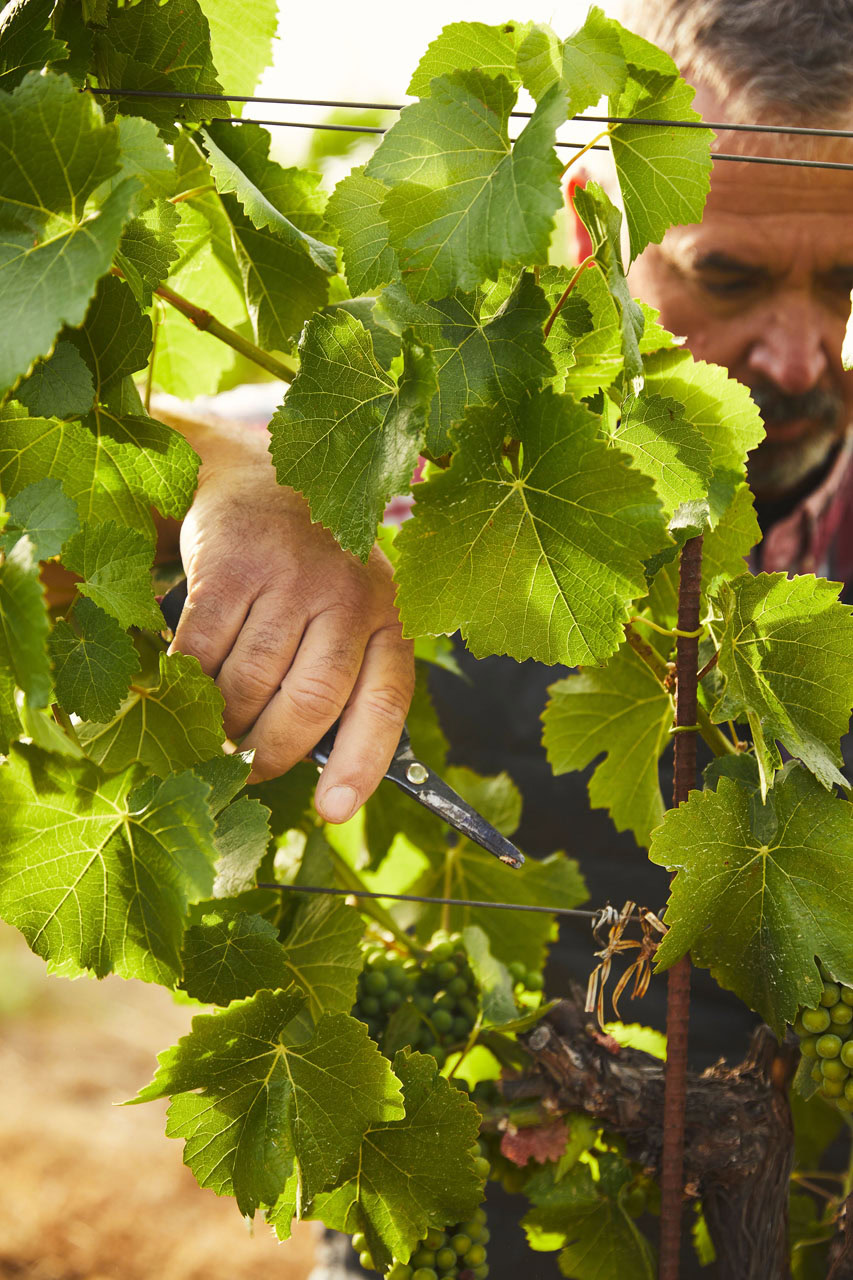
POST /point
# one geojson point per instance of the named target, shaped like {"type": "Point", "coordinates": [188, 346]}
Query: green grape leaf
{"type": "Point", "coordinates": [664, 174]}
{"type": "Point", "coordinates": [10, 719]}
{"type": "Point", "coordinates": [148, 249]}
{"type": "Point", "coordinates": [241, 42]}
{"type": "Point", "coordinates": [112, 467]}
{"type": "Point", "coordinates": [115, 565]}
{"type": "Point", "coordinates": [54, 150]}
{"type": "Point", "coordinates": [599, 1239]}
{"type": "Point", "coordinates": [265, 1102]}
{"type": "Point", "coordinates": [242, 837]}
{"type": "Point", "coordinates": [719, 406]}
{"type": "Point", "coordinates": [666, 448]}
{"type": "Point", "coordinates": [239, 163]}
{"type": "Point", "coordinates": [469, 872]}
{"type": "Point", "coordinates": [348, 435]}
{"type": "Point", "coordinates": [470, 46]}
{"type": "Point", "coordinates": [386, 345]}
{"type": "Point", "coordinates": [229, 956]}
{"type": "Point", "coordinates": [27, 42]}
{"type": "Point", "coordinates": [410, 1174]}
{"type": "Point", "coordinates": [785, 649]}
{"type": "Point", "coordinates": [323, 954]}
{"type": "Point", "coordinates": [24, 623]}
{"type": "Point", "coordinates": [226, 776]}
{"type": "Point", "coordinates": [757, 911]}
{"type": "Point", "coordinates": [622, 711]}
{"type": "Point", "coordinates": [115, 337]}
{"type": "Point", "coordinates": [92, 669]}
{"type": "Point", "coordinates": [168, 42]}
{"type": "Point", "coordinates": [587, 65]}
{"type": "Point", "coordinates": [543, 565]}
{"type": "Point", "coordinates": [282, 285]}
{"type": "Point", "coordinates": [493, 978]}
{"type": "Point", "coordinates": [603, 221]}
{"type": "Point", "coordinates": [97, 876]}
{"type": "Point", "coordinates": [355, 212]}
{"type": "Point", "coordinates": [478, 361]}
{"type": "Point", "coordinates": [143, 156]}
{"type": "Point", "coordinates": [173, 725]}
{"type": "Point", "coordinates": [45, 514]}
{"type": "Point", "coordinates": [60, 386]}
{"type": "Point", "coordinates": [464, 201]}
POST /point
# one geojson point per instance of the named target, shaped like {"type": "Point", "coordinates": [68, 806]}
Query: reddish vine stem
{"type": "Point", "coordinates": [678, 989]}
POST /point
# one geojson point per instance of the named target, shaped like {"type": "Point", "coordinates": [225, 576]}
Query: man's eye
{"type": "Point", "coordinates": [728, 286]}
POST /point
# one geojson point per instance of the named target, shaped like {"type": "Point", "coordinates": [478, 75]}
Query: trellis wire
{"type": "Point", "coordinates": [584, 913]}
{"type": "Point", "coordinates": [576, 146]}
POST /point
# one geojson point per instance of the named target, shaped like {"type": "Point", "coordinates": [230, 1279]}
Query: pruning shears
{"type": "Point", "coordinates": [410, 774]}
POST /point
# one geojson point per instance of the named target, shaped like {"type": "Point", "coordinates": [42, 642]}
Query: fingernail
{"type": "Point", "coordinates": [339, 803]}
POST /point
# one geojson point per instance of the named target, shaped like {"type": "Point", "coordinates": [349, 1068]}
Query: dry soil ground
{"type": "Point", "coordinates": [89, 1190]}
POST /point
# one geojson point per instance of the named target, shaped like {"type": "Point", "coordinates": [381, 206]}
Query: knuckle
{"type": "Point", "coordinates": [388, 704]}
{"type": "Point", "coordinates": [316, 697]}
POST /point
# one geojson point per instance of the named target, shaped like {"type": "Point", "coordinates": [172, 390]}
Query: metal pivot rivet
{"type": "Point", "coordinates": [417, 772]}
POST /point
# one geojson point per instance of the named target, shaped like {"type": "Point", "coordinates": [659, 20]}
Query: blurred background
{"type": "Point", "coordinates": [92, 1190]}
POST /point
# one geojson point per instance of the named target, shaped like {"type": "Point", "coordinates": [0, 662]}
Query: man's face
{"type": "Point", "coordinates": [762, 286]}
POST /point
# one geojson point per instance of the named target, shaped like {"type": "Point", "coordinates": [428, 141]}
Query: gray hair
{"type": "Point", "coordinates": [764, 58]}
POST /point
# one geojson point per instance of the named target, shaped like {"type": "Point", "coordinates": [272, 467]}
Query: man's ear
{"type": "Point", "coordinates": [580, 244]}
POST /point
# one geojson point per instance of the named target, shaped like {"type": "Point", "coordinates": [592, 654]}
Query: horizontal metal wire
{"type": "Point", "coordinates": [573, 146]}
{"type": "Point", "coordinates": [797, 130]}
{"type": "Point", "coordinates": [441, 902]}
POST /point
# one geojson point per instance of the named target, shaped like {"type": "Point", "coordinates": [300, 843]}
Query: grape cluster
{"type": "Point", "coordinates": [440, 988]}
{"type": "Point", "coordinates": [826, 1035]}
{"type": "Point", "coordinates": [457, 1253]}
{"type": "Point", "coordinates": [525, 979]}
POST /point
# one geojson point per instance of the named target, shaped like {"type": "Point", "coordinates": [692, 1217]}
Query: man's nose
{"type": "Point", "coordinates": [790, 350]}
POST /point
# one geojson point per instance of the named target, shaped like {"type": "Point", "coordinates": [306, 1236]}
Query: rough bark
{"type": "Point", "coordinates": [738, 1128]}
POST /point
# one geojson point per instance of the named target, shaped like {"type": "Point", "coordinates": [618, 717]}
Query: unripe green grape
{"type": "Point", "coordinates": [847, 1054]}
{"type": "Point", "coordinates": [359, 1241]}
{"type": "Point", "coordinates": [391, 998]}
{"type": "Point", "coordinates": [370, 1005]}
{"type": "Point", "coordinates": [483, 1168]}
{"type": "Point", "coordinates": [445, 1259]}
{"type": "Point", "coordinates": [833, 1069]}
{"type": "Point", "coordinates": [476, 1256]}
{"type": "Point", "coordinates": [395, 974]}
{"type": "Point", "coordinates": [424, 1273]}
{"type": "Point", "coordinates": [480, 1273]}
{"type": "Point", "coordinates": [841, 1014]}
{"type": "Point", "coordinates": [439, 1054]}
{"type": "Point", "coordinates": [535, 982]}
{"type": "Point", "coordinates": [847, 995]}
{"type": "Point", "coordinates": [517, 970]}
{"type": "Point", "coordinates": [815, 1020]}
{"type": "Point", "coordinates": [422, 1001]}
{"type": "Point", "coordinates": [808, 1047]}
{"type": "Point", "coordinates": [816, 1073]}
{"type": "Point", "coordinates": [473, 1228]}
{"type": "Point", "coordinates": [375, 982]}
{"type": "Point", "coordinates": [461, 1243]}
{"type": "Point", "coordinates": [458, 986]}
{"type": "Point", "coordinates": [843, 1104]}
{"type": "Point", "coordinates": [848, 1090]}
{"type": "Point", "coordinates": [468, 1007]}
{"type": "Point", "coordinates": [443, 951]}
{"type": "Point", "coordinates": [366, 1261]}
{"type": "Point", "coordinates": [831, 1089]}
{"type": "Point", "coordinates": [380, 959]}
{"type": "Point", "coordinates": [423, 1257]}
{"type": "Point", "coordinates": [399, 1271]}
{"type": "Point", "coordinates": [485, 1237]}
{"type": "Point", "coordinates": [435, 1239]}
{"type": "Point", "coordinates": [830, 995]}
{"type": "Point", "coordinates": [446, 971]}
{"type": "Point", "coordinates": [461, 1028]}
{"type": "Point", "coordinates": [799, 1028]}
{"type": "Point", "coordinates": [442, 1021]}
{"type": "Point", "coordinates": [828, 1046]}
{"type": "Point", "coordinates": [481, 1214]}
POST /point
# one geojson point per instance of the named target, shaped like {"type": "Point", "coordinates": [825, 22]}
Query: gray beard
{"type": "Point", "coordinates": [777, 467]}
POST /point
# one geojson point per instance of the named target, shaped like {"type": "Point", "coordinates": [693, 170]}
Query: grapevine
{"type": "Point", "coordinates": [573, 457]}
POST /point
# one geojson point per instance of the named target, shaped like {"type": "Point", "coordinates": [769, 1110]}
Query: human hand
{"type": "Point", "coordinates": [295, 631]}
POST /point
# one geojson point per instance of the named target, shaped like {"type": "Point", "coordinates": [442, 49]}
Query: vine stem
{"type": "Point", "coordinates": [279, 367]}
{"type": "Point", "coordinates": [678, 987]}
{"type": "Point", "coordinates": [561, 301]}
{"type": "Point", "coordinates": [605, 133]}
